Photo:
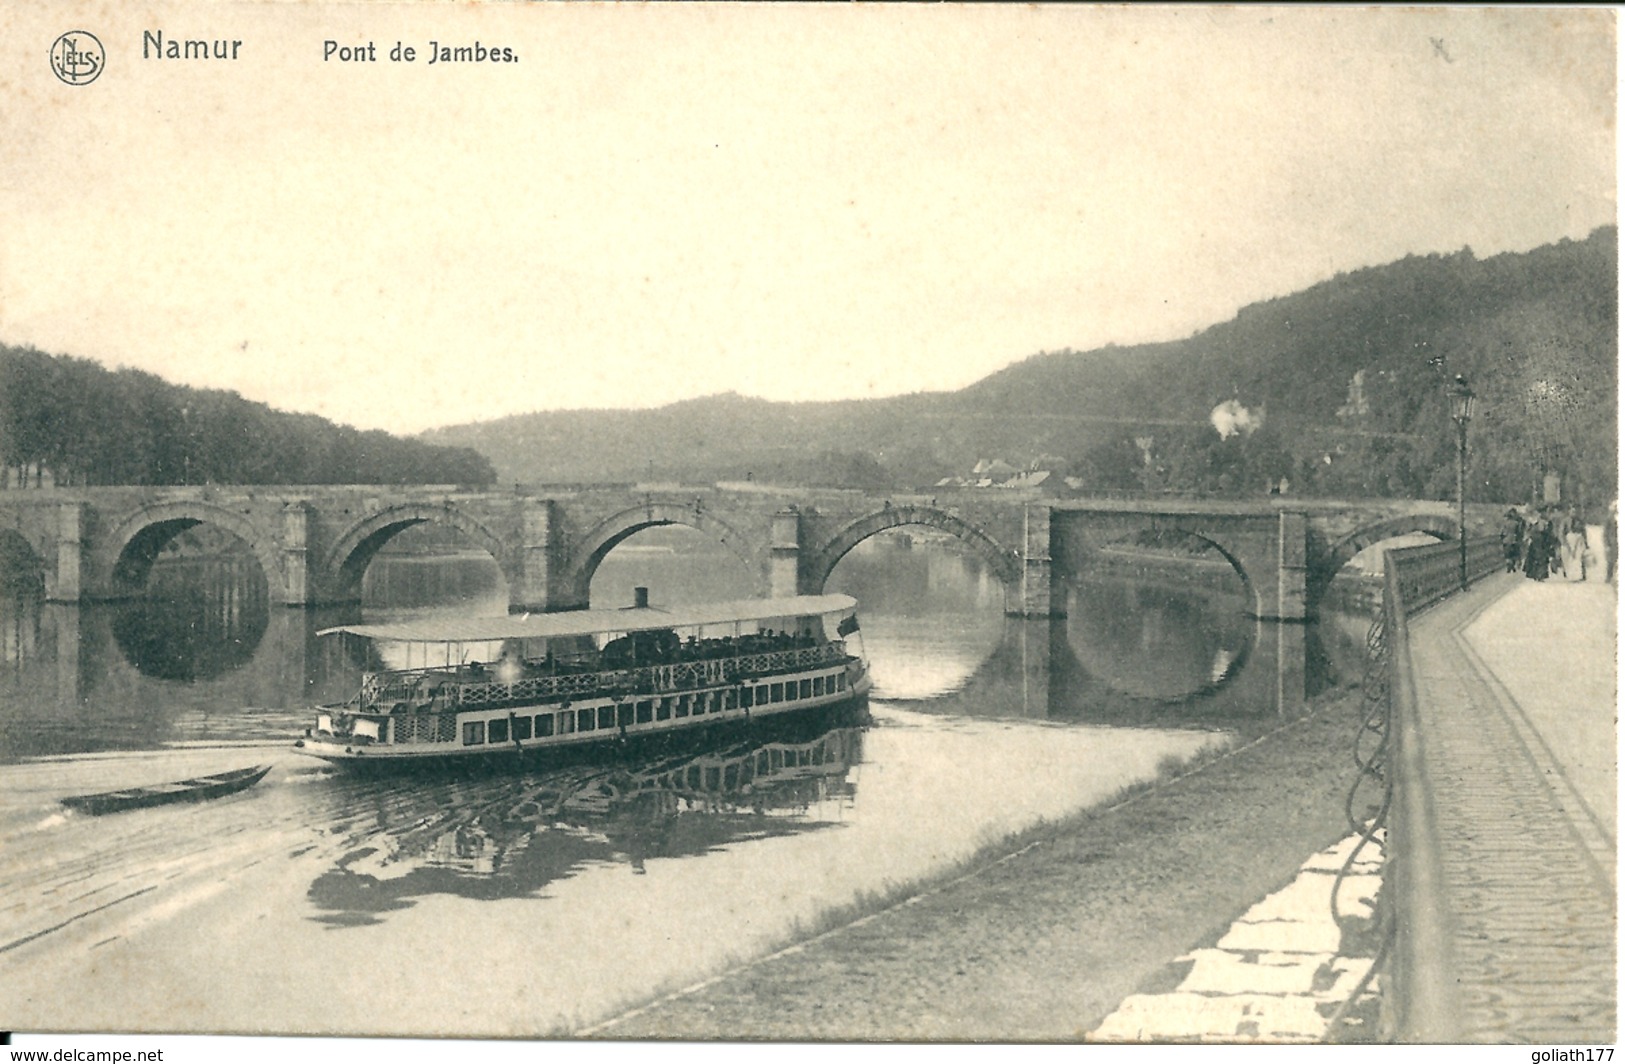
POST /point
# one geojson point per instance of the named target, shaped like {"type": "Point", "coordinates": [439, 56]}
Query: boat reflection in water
{"type": "Point", "coordinates": [510, 836]}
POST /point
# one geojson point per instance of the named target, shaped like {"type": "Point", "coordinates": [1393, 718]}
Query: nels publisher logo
{"type": "Point", "coordinates": [77, 57]}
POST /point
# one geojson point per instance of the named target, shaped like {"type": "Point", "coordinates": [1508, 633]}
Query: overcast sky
{"type": "Point", "coordinates": [657, 203]}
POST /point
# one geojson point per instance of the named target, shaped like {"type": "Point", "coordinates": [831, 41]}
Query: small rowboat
{"type": "Point", "coordinates": [199, 789]}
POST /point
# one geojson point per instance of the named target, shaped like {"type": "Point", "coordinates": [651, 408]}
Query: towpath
{"type": "Point", "coordinates": [1516, 686]}
{"type": "Point", "coordinates": [1042, 944]}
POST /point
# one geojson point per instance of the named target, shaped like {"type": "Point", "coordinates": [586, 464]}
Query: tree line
{"type": "Point", "coordinates": [1347, 382]}
{"type": "Point", "coordinates": [73, 422]}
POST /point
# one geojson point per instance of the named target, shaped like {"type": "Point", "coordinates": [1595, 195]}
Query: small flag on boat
{"type": "Point", "coordinates": [848, 625]}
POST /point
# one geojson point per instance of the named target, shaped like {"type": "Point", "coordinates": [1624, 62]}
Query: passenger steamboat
{"type": "Point", "coordinates": [543, 682]}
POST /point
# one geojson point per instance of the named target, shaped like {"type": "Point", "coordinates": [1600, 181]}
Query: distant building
{"type": "Point", "coordinates": [996, 469]}
{"type": "Point", "coordinates": [997, 473]}
{"type": "Point", "coordinates": [1027, 480]}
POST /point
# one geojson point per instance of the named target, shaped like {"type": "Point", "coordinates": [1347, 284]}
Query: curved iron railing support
{"type": "Point", "coordinates": [1419, 1001]}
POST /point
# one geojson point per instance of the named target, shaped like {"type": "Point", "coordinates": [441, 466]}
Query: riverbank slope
{"type": "Point", "coordinates": [1042, 944]}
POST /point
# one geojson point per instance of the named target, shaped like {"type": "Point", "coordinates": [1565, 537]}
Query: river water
{"type": "Point", "coordinates": [537, 903]}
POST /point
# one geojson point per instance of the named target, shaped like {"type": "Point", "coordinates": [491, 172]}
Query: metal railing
{"type": "Point", "coordinates": [420, 687]}
{"type": "Point", "coordinates": [1428, 573]}
{"type": "Point", "coordinates": [1418, 997]}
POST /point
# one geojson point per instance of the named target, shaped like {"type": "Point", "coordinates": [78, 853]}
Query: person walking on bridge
{"type": "Point", "coordinates": [1610, 539]}
{"type": "Point", "coordinates": [1537, 562]}
{"type": "Point", "coordinates": [1512, 538]}
{"type": "Point", "coordinates": [1574, 545]}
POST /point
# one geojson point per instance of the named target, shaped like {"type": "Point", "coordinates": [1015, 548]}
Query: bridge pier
{"type": "Point", "coordinates": [1290, 601]}
{"type": "Point", "coordinates": [69, 582]}
{"type": "Point", "coordinates": [1037, 590]}
{"type": "Point", "coordinates": [538, 562]}
{"type": "Point", "coordinates": [784, 576]}
{"type": "Point", "coordinates": [296, 536]}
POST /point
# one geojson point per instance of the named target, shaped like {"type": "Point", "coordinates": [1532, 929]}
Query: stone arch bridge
{"type": "Point", "coordinates": [314, 544]}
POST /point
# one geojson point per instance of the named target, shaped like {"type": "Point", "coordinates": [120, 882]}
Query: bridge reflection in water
{"type": "Point", "coordinates": [1045, 670]}
{"type": "Point", "coordinates": [1128, 652]}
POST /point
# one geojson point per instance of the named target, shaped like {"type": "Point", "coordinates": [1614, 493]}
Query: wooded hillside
{"type": "Point", "coordinates": [1345, 380]}
{"type": "Point", "coordinates": [79, 423]}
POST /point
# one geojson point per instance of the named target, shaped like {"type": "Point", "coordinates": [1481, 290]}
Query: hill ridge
{"type": "Point", "coordinates": [1509, 322]}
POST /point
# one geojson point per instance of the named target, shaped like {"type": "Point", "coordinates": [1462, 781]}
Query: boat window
{"type": "Point", "coordinates": [761, 695]}
{"type": "Point", "coordinates": [777, 692]}
{"type": "Point", "coordinates": [730, 699]}
{"type": "Point", "coordinates": [806, 688]}
{"type": "Point", "coordinates": [747, 696]}
{"type": "Point", "coordinates": [623, 714]}
{"type": "Point", "coordinates": [646, 712]}
{"type": "Point", "coordinates": [606, 716]}
{"type": "Point", "coordinates": [663, 709]}
{"type": "Point", "coordinates": [474, 733]}
{"type": "Point", "coordinates": [818, 686]}
{"type": "Point", "coordinates": [682, 705]}
{"type": "Point", "coordinates": [840, 681]}
{"type": "Point", "coordinates": [567, 722]}
{"type": "Point", "coordinates": [521, 727]}
{"type": "Point", "coordinates": [584, 720]}
{"type": "Point", "coordinates": [499, 731]}
{"type": "Point", "coordinates": [544, 725]}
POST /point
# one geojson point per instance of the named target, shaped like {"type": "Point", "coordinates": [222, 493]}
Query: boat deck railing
{"type": "Point", "coordinates": [429, 690]}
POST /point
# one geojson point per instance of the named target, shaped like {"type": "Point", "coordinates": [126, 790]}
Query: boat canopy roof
{"type": "Point", "coordinates": [594, 622]}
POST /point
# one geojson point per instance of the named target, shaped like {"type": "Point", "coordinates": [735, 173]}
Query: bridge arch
{"type": "Point", "coordinates": [1320, 576]}
{"type": "Point", "coordinates": [22, 565]}
{"type": "Point", "coordinates": [1227, 551]}
{"type": "Point", "coordinates": [613, 530]}
{"type": "Point", "coordinates": [347, 562]}
{"type": "Point", "coordinates": [137, 540]}
{"type": "Point", "coordinates": [1250, 547]}
{"type": "Point", "coordinates": [1005, 562]}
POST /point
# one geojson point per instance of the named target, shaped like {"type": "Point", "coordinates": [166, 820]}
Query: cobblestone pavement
{"type": "Point", "coordinates": [1527, 859]}
{"type": "Point", "coordinates": [1282, 971]}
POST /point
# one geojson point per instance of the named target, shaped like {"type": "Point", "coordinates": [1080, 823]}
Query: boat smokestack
{"type": "Point", "coordinates": [640, 598]}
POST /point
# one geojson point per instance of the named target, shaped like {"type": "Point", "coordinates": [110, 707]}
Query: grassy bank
{"type": "Point", "coordinates": [1042, 934]}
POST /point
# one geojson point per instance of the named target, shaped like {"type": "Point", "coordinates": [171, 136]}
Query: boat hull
{"type": "Point", "coordinates": [604, 747]}
{"type": "Point", "coordinates": [198, 789]}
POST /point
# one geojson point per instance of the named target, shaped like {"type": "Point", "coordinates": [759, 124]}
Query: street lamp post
{"type": "Point", "coordinates": [186, 445]}
{"type": "Point", "coordinates": [1461, 412]}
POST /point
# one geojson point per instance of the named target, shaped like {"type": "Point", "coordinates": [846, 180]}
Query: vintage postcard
{"type": "Point", "coordinates": [721, 522]}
